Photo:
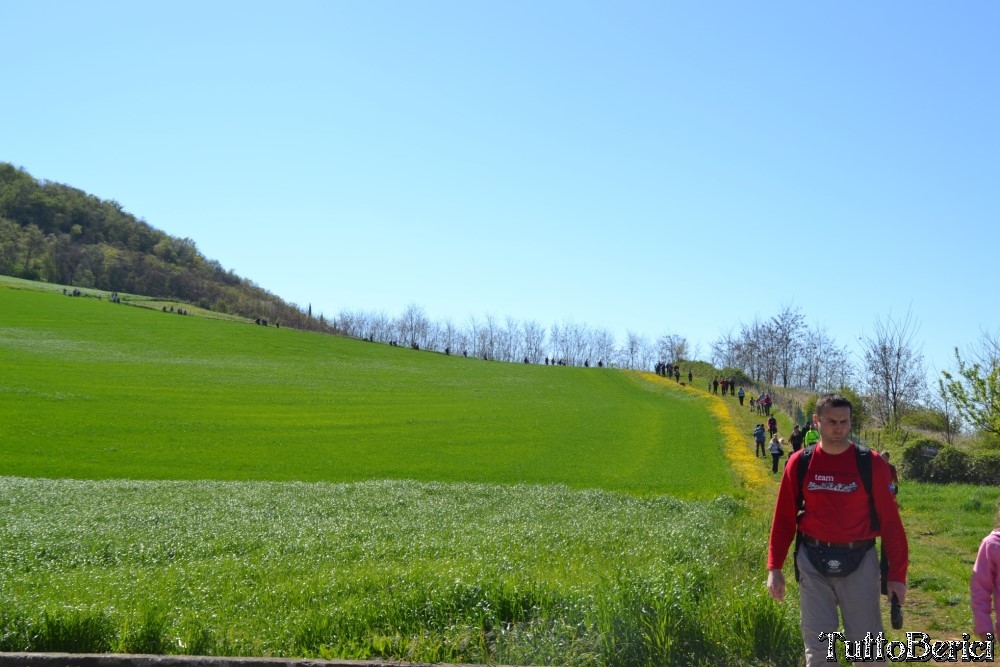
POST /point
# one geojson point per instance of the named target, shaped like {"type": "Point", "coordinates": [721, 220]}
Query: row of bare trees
{"type": "Point", "coordinates": [779, 351]}
{"type": "Point", "coordinates": [783, 350]}
{"type": "Point", "coordinates": [890, 374]}
{"type": "Point", "coordinates": [512, 340]}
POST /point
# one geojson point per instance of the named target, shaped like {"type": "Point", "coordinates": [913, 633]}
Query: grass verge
{"type": "Point", "coordinates": [417, 571]}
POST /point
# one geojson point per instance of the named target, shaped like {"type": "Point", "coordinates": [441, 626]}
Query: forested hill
{"type": "Point", "coordinates": [59, 234]}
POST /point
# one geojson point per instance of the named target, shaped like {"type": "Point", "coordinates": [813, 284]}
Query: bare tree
{"type": "Point", "coordinates": [633, 349]}
{"type": "Point", "coordinates": [726, 351]}
{"type": "Point", "coordinates": [463, 342]}
{"type": "Point", "coordinates": [946, 405]}
{"type": "Point", "coordinates": [379, 326]}
{"type": "Point", "coordinates": [604, 346]}
{"type": "Point", "coordinates": [508, 338]}
{"type": "Point", "coordinates": [449, 335]}
{"type": "Point", "coordinates": [473, 337]}
{"type": "Point", "coordinates": [786, 332]}
{"type": "Point", "coordinates": [347, 323]}
{"type": "Point", "coordinates": [754, 351]}
{"type": "Point", "coordinates": [893, 372]}
{"type": "Point", "coordinates": [570, 342]}
{"type": "Point", "coordinates": [764, 341]}
{"type": "Point", "coordinates": [414, 326]}
{"type": "Point", "coordinates": [584, 341]}
{"type": "Point", "coordinates": [672, 348]}
{"type": "Point", "coordinates": [822, 366]}
{"type": "Point", "coordinates": [638, 352]}
{"type": "Point", "coordinates": [433, 336]}
{"type": "Point", "coordinates": [489, 335]}
{"type": "Point", "coordinates": [836, 370]}
{"type": "Point", "coordinates": [484, 337]}
{"type": "Point", "coordinates": [533, 341]}
{"type": "Point", "coordinates": [647, 354]}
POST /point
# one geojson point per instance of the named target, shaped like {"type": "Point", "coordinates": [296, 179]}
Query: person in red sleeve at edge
{"type": "Point", "coordinates": [837, 515]}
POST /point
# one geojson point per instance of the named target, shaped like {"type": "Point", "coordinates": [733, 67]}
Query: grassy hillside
{"type": "Point", "coordinates": [494, 553]}
{"type": "Point", "coordinates": [515, 535]}
{"type": "Point", "coordinates": [92, 389]}
{"type": "Point", "coordinates": [58, 234]}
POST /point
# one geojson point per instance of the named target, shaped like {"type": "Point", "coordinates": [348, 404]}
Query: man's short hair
{"type": "Point", "coordinates": [832, 401]}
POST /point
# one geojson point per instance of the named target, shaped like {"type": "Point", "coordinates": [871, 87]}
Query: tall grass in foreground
{"type": "Point", "coordinates": [416, 571]}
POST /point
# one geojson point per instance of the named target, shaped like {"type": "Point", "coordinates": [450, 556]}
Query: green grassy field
{"type": "Point", "coordinates": [418, 571]}
{"type": "Point", "coordinates": [181, 484]}
{"type": "Point", "coordinates": [945, 523]}
{"type": "Point", "coordinates": [188, 484]}
{"type": "Point", "coordinates": [93, 390]}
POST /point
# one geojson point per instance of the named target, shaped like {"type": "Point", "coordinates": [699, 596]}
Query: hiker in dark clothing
{"type": "Point", "coordinates": [759, 438]}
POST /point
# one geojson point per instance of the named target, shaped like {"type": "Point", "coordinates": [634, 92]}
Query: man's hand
{"type": "Point", "coordinates": [776, 584]}
{"type": "Point", "coordinates": [897, 587]}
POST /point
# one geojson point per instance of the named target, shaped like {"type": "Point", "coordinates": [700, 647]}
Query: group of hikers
{"type": "Point", "coordinates": [761, 403]}
{"type": "Point", "coordinates": [671, 371]}
{"type": "Point", "coordinates": [800, 437]}
{"type": "Point", "coordinates": [728, 386]}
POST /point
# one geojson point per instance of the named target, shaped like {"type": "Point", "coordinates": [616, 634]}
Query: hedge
{"type": "Point", "coordinates": [930, 460]}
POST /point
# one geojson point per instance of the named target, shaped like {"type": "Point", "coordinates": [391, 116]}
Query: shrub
{"type": "Point", "coordinates": [916, 459]}
{"type": "Point", "coordinates": [984, 468]}
{"type": "Point", "coordinates": [991, 442]}
{"type": "Point", "coordinates": [949, 466]}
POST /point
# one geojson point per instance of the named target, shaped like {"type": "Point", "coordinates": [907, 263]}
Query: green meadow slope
{"type": "Point", "coordinates": [95, 390]}
{"type": "Point", "coordinates": [139, 445]}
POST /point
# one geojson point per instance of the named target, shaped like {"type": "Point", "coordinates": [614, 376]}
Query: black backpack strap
{"type": "Point", "coordinates": [864, 459]}
{"type": "Point", "coordinates": [801, 469]}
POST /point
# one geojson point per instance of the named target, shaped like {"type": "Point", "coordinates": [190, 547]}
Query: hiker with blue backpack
{"type": "Point", "coordinates": [759, 438]}
{"type": "Point", "coordinates": [834, 500]}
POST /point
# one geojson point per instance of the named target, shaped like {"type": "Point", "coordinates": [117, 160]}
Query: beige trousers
{"type": "Point", "coordinates": [856, 596]}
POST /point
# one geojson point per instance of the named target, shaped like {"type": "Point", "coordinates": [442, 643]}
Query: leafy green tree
{"type": "Point", "coordinates": [33, 246]}
{"type": "Point", "coordinates": [10, 243]}
{"type": "Point", "coordinates": [975, 389]}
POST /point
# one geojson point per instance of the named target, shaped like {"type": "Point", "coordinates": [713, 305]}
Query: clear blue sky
{"type": "Point", "coordinates": [660, 167]}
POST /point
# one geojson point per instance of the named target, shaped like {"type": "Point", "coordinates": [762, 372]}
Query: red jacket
{"type": "Point", "coordinates": [837, 508]}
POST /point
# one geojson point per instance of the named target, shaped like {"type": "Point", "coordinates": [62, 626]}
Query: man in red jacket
{"type": "Point", "coordinates": [837, 564]}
